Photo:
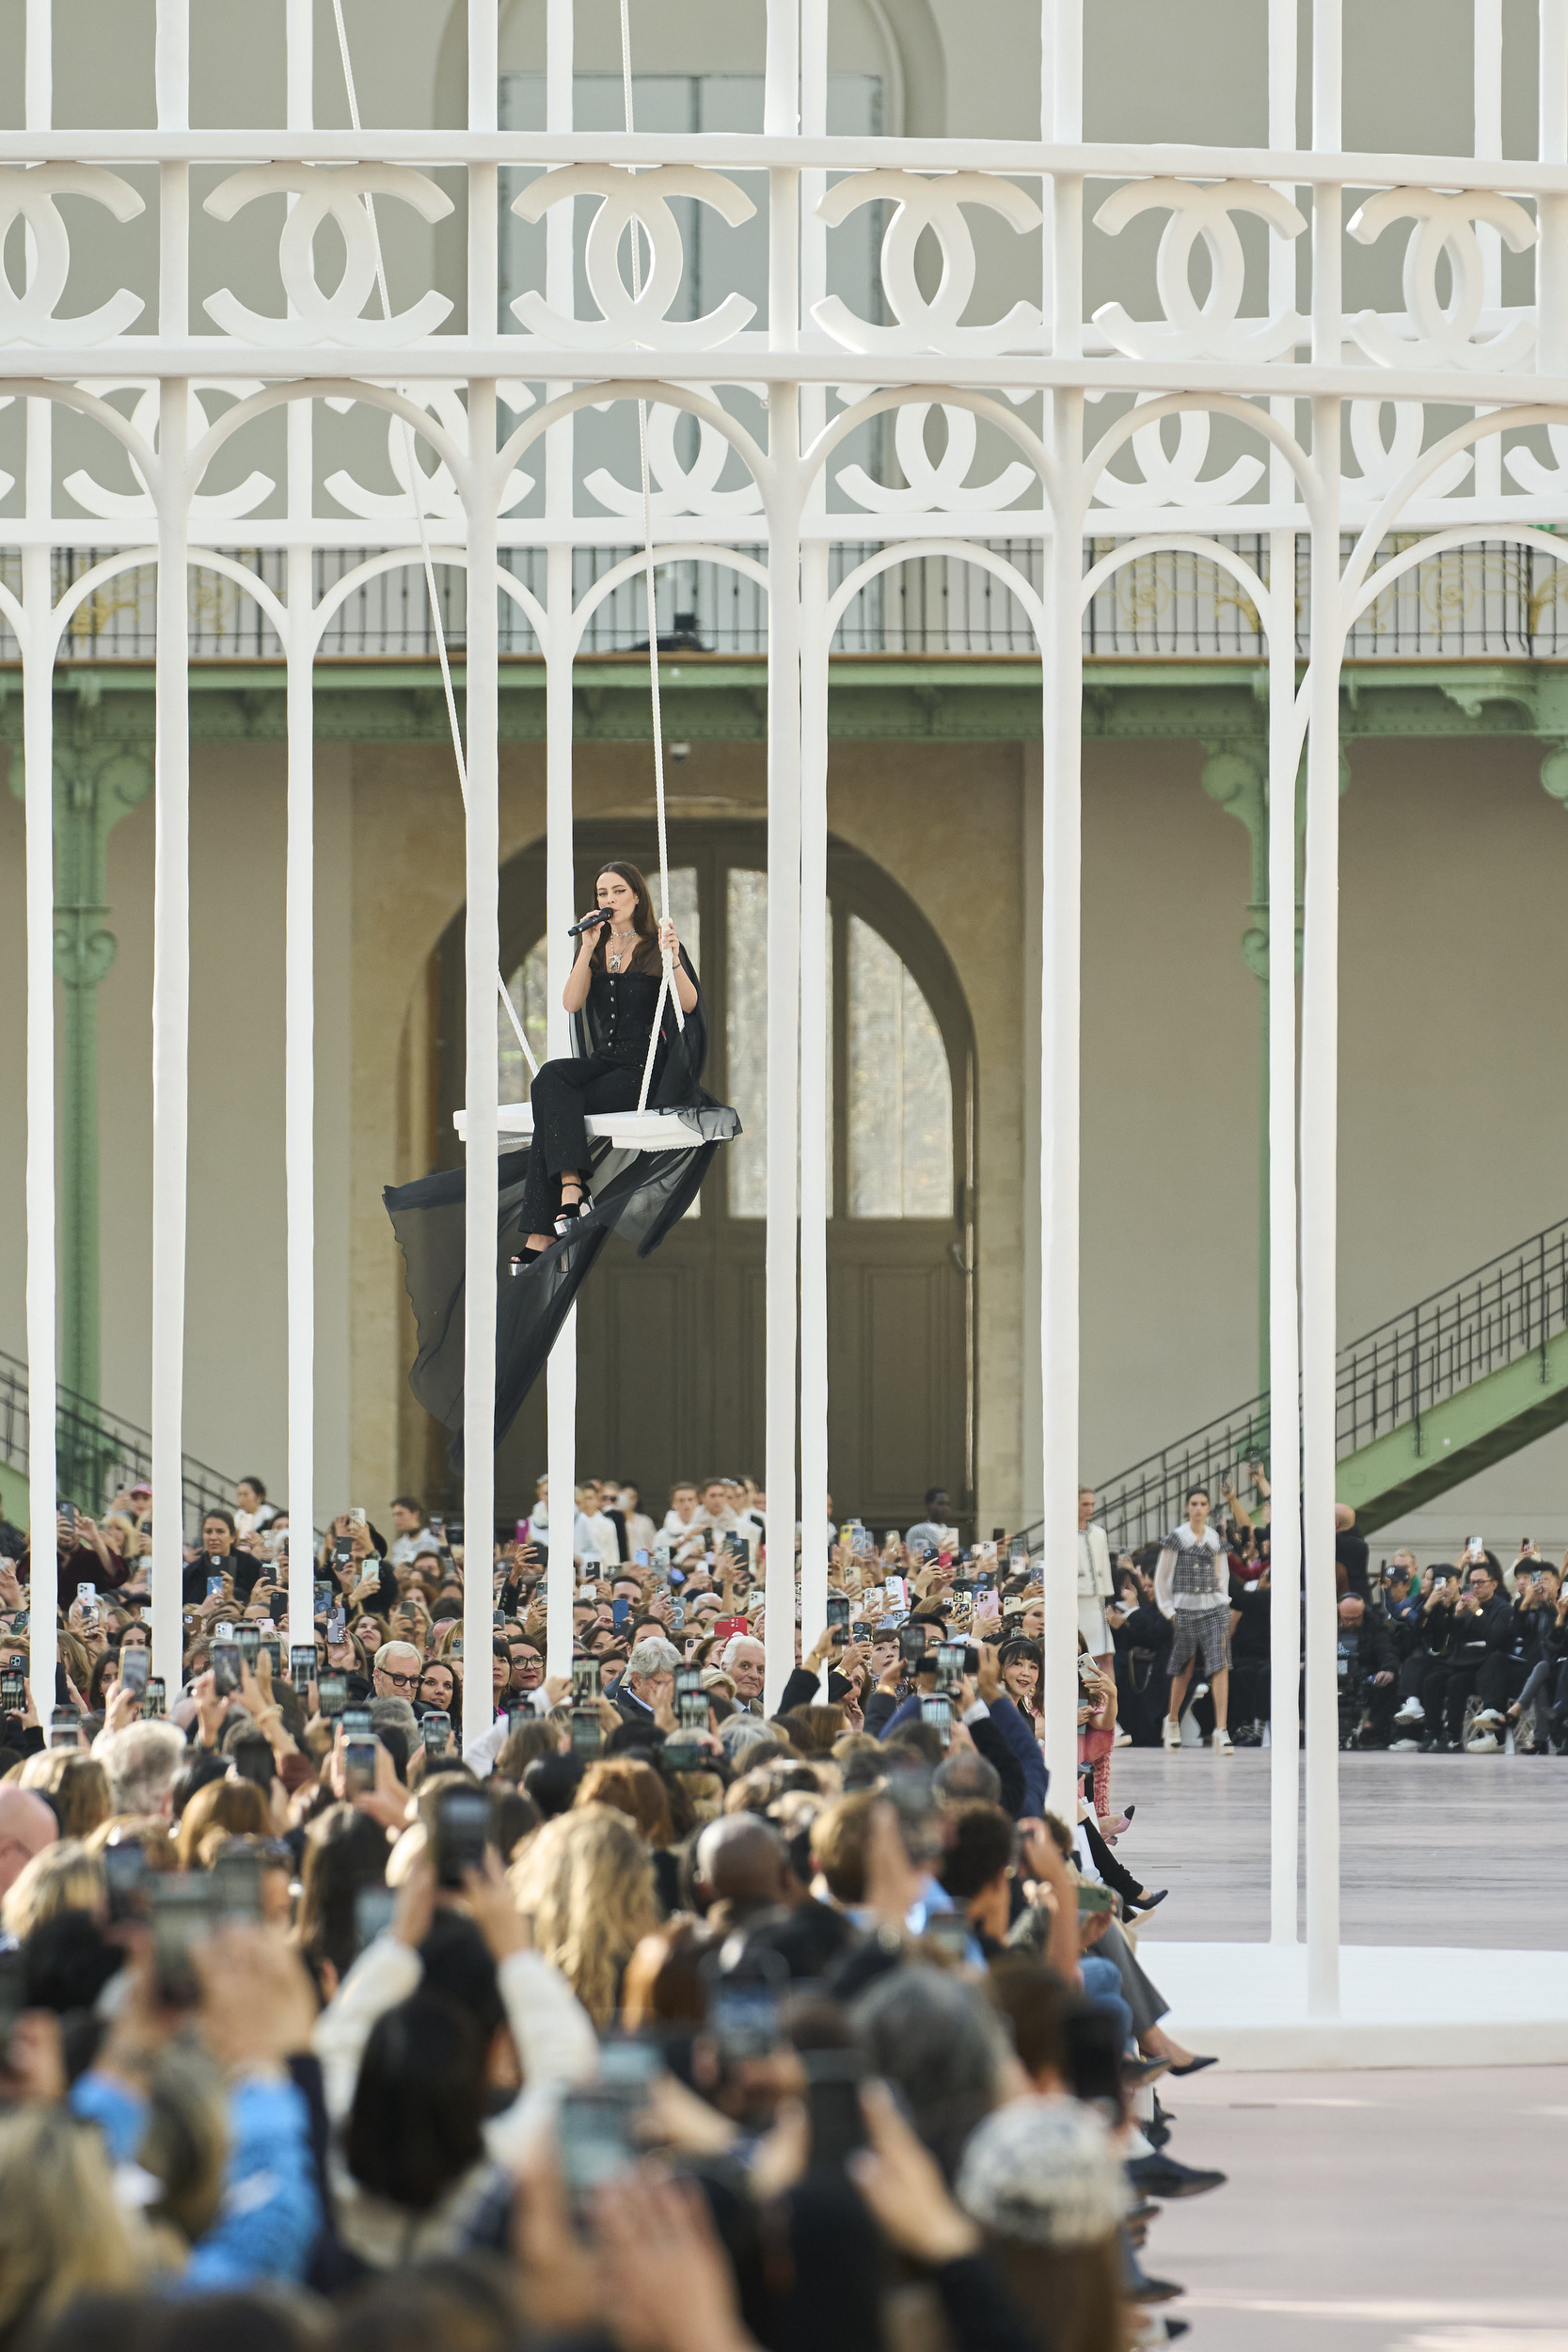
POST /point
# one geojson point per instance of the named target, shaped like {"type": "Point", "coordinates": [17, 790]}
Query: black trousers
{"type": "Point", "coordinates": [563, 1096]}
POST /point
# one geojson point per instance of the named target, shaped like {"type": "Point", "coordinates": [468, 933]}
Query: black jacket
{"type": "Point", "coordinates": [1477, 1632]}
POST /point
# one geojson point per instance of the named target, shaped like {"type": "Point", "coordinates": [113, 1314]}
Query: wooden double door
{"type": "Point", "coordinates": [671, 1348]}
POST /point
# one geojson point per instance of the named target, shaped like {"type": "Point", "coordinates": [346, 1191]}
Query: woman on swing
{"type": "Point", "coordinates": [616, 979]}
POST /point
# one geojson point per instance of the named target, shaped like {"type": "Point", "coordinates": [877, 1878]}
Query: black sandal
{"type": "Point", "coordinates": [522, 1260]}
{"type": "Point", "coordinates": [571, 1211]}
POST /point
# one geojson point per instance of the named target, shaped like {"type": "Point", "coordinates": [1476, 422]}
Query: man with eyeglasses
{"type": "Point", "coordinates": [397, 1671]}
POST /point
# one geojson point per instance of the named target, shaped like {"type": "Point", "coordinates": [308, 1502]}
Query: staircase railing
{"type": "Point", "coordinates": [1510, 1307]}
{"type": "Point", "coordinates": [97, 1451]}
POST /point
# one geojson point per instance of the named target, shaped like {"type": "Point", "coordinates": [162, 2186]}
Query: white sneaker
{"type": "Point", "coordinates": [1491, 1718]}
{"type": "Point", "coordinates": [1483, 1743]}
{"type": "Point", "coordinates": [1122, 1739]}
{"type": "Point", "coordinates": [1404, 1747]}
{"type": "Point", "coordinates": [1221, 1743]}
{"type": "Point", "coordinates": [1411, 1712]}
{"type": "Point", "coordinates": [1170, 1734]}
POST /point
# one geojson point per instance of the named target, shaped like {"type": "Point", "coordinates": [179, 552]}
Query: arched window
{"type": "Point", "coordinates": [901, 1244]}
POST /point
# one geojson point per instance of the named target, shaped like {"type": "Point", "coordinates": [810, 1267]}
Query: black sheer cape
{"type": "Point", "coordinates": [638, 1194]}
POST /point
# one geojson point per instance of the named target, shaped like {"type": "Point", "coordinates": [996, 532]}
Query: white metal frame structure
{"type": "Point", "coordinates": [1268, 353]}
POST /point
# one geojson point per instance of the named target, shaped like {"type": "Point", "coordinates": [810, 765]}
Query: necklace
{"type": "Point", "coordinates": [617, 942]}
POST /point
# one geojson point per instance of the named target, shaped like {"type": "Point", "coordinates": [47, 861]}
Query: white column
{"type": "Point", "coordinates": [1284, 1347]}
{"type": "Point", "coordinates": [816, 1047]}
{"type": "Point", "coordinates": [172, 980]}
{"type": "Point", "coordinates": [781, 101]}
{"type": "Point", "coordinates": [1061, 826]}
{"type": "Point", "coordinates": [784, 1041]}
{"type": "Point", "coordinates": [299, 941]}
{"type": "Point", "coordinates": [482, 945]}
{"type": "Point", "coordinates": [38, 734]}
{"type": "Point", "coordinates": [1551, 261]}
{"type": "Point", "coordinates": [1320, 1065]}
{"type": "Point", "coordinates": [1284, 1339]}
{"type": "Point", "coordinates": [38, 752]}
{"type": "Point", "coordinates": [560, 1375]}
{"type": "Point", "coordinates": [815, 1083]}
{"type": "Point", "coordinates": [1487, 45]}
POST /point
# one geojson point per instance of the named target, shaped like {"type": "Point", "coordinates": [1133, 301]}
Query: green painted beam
{"type": "Point", "coordinates": [872, 698]}
{"type": "Point", "coordinates": [1483, 1423]}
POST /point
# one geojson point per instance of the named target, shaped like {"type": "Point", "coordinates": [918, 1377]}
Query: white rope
{"type": "Point", "coordinates": [416, 491]}
{"type": "Point", "coordinates": [666, 981]}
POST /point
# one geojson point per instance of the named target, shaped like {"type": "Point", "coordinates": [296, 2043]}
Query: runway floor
{"type": "Point", "coordinates": [1401, 2210]}
{"type": "Point", "coordinates": [1461, 1849]}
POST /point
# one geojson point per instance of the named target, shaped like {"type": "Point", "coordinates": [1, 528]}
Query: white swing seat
{"type": "Point", "coordinates": [627, 1131]}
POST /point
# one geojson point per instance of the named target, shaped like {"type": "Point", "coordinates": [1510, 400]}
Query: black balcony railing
{"type": "Point", "coordinates": [1507, 1309]}
{"type": "Point", "coordinates": [98, 1452]}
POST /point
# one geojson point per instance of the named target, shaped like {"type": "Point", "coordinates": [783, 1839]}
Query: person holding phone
{"type": "Point", "coordinates": [1192, 1586]}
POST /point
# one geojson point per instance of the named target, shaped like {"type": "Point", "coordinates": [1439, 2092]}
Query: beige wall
{"type": "Point", "coordinates": [1452, 1125]}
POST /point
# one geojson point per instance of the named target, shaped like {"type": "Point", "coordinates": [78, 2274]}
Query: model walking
{"type": "Point", "coordinates": [1192, 1586]}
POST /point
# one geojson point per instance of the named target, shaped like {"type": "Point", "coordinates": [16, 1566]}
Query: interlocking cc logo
{"type": "Point", "coordinates": [29, 317]}
{"type": "Point", "coordinates": [629, 320]}
{"type": "Point", "coordinates": [341, 193]}
{"type": "Point", "coordinates": [937, 205]}
{"type": "Point", "coordinates": [1444, 224]}
{"type": "Point", "coordinates": [1213, 331]}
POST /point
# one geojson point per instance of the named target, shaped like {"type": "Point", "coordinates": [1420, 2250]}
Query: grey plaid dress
{"type": "Point", "coordinates": [1202, 1631]}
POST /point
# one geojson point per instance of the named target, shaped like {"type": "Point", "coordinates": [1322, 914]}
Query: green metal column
{"type": "Point", "coordinates": [99, 775]}
{"type": "Point", "coordinates": [1235, 776]}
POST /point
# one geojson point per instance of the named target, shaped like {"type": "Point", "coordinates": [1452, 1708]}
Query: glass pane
{"type": "Point", "coordinates": [900, 1090]}
{"type": "Point", "coordinates": [745, 1033]}
{"type": "Point", "coordinates": [528, 991]}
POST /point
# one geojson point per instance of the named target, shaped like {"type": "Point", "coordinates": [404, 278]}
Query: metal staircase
{"type": "Point", "coordinates": [1456, 1382]}
{"type": "Point", "coordinates": [97, 1451]}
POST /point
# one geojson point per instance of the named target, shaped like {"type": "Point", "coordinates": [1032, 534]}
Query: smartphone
{"type": "Point", "coordinates": [65, 1728]}
{"type": "Point", "coordinates": [938, 1713]}
{"type": "Point", "coordinates": [948, 1931]}
{"type": "Point", "coordinates": [356, 1721]}
{"type": "Point", "coordinates": [134, 1664]}
{"type": "Point", "coordinates": [86, 1592]}
{"type": "Point", "coordinates": [214, 1588]}
{"type": "Point", "coordinates": [593, 2144]}
{"type": "Point", "coordinates": [1475, 1549]}
{"type": "Point", "coordinates": [302, 1664]}
{"type": "Point", "coordinates": [587, 1731]}
{"type": "Point", "coordinates": [677, 1616]}
{"type": "Point", "coordinates": [834, 2112]}
{"type": "Point", "coordinates": [951, 1659]}
{"type": "Point", "coordinates": [153, 1698]}
{"type": "Point", "coordinates": [743, 2018]}
{"type": "Point", "coordinates": [237, 1886]}
{"type": "Point", "coordinates": [249, 1639]}
{"type": "Point", "coordinates": [620, 1612]}
{"type": "Point", "coordinates": [691, 1710]}
{"type": "Point", "coordinates": [911, 1644]}
{"type": "Point", "coordinates": [182, 1915]}
{"type": "Point", "coordinates": [725, 1627]}
{"type": "Point", "coordinates": [498, 1618]}
{"type": "Point", "coordinates": [1088, 1671]}
{"type": "Point", "coordinates": [456, 1649]}
{"type": "Point", "coordinates": [337, 1624]}
{"type": "Point", "coordinates": [332, 1690]}
{"type": "Point", "coordinates": [755, 1598]}
{"type": "Point", "coordinates": [343, 1550]}
{"type": "Point", "coordinates": [359, 1766]}
{"type": "Point", "coordinates": [585, 1682]}
{"type": "Point", "coordinates": [461, 1834]}
{"type": "Point", "coordinates": [838, 1615]}
{"type": "Point", "coordinates": [374, 1907]}
{"type": "Point", "coordinates": [125, 1878]}
{"type": "Point", "coordinates": [13, 1693]}
{"type": "Point", "coordinates": [225, 1668]}
{"type": "Point", "coordinates": [436, 1732]}
{"type": "Point", "coordinates": [1092, 1900]}
{"type": "Point", "coordinates": [324, 1600]}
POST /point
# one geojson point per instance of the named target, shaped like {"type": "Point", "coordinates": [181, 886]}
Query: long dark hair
{"type": "Point", "coordinates": [645, 955]}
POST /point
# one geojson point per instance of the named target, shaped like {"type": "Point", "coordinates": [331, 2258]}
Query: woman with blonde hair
{"type": "Point", "coordinates": [62, 1878]}
{"type": "Point", "coordinates": [586, 1881]}
{"type": "Point", "coordinates": [61, 2231]}
{"type": "Point", "coordinates": [77, 1786]}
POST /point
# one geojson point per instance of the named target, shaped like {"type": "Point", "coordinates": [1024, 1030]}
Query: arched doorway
{"type": "Point", "coordinates": [900, 1237]}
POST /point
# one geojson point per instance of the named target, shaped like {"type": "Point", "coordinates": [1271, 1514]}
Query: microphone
{"type": "Point", "coordinates": [589, 922]}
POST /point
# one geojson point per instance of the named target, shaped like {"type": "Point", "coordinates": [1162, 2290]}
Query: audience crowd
{"type": "Point", "coordinates": [658, 2016]}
